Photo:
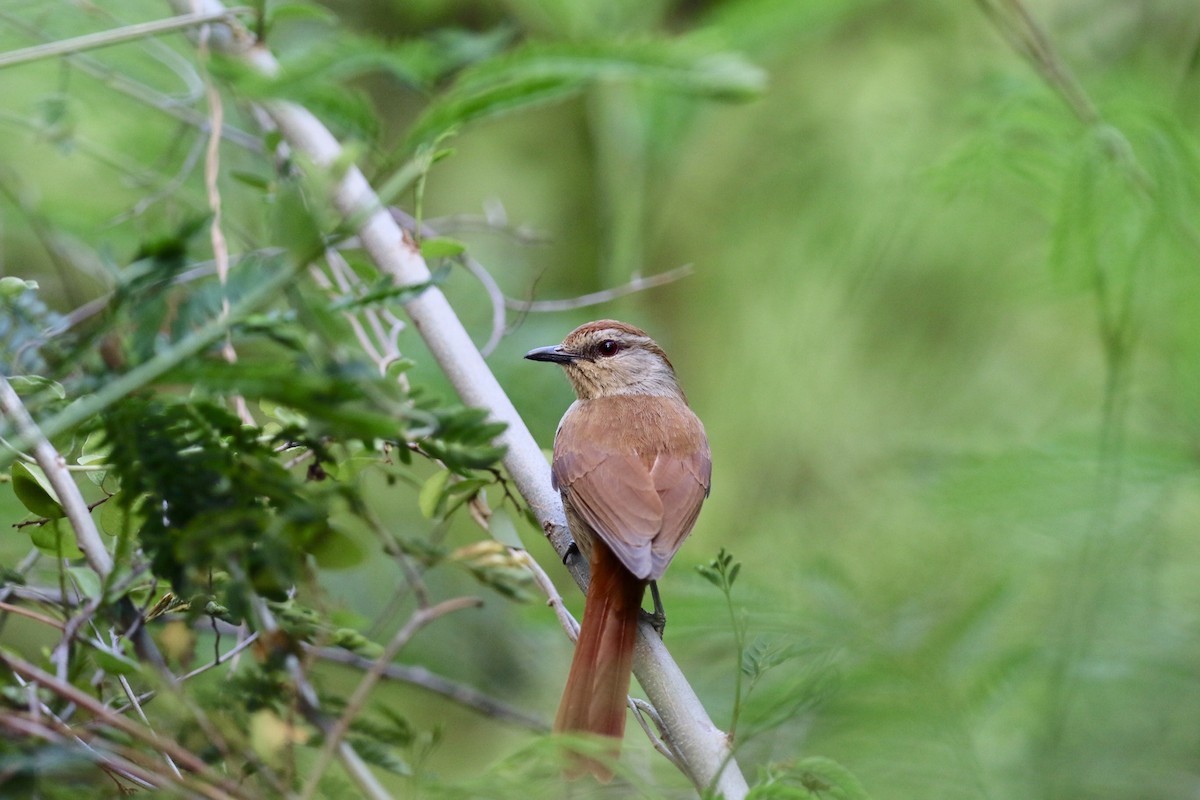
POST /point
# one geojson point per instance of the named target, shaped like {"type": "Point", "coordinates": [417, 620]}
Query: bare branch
{"type": "Point", "coordinates": [644, 713]}
{"type": "Point", "coordinates": [105, 38]}
{"type": "Point", "coordinates": [1022, 32]}
{"type": "Point", "coordinates": [21, 611]}
{"type": "Point", "coordinates": [638, 284]}
{"type": "Point", "coordinates": [466, 696]}
{"type": "Point", "coordinates": [553, 598]}
{"type": "Point", "coordinates": [212, 171]}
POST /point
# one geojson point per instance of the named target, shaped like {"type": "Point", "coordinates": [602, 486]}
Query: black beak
{"type": "Point", "coordinates": [554, 354]}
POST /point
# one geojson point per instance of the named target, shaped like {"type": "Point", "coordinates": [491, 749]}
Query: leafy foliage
{"type": "Point", "coordinates": [944, 335]}
{"type": "Point", "coordinates": [234, 419]}
{"type": "Point", "coordinates": [539, 73]}
{"type": "Point", "coordinates": [213, 496]}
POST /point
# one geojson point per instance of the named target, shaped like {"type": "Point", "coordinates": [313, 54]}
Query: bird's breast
{"type": "Point", "coordinates": [647, 426]}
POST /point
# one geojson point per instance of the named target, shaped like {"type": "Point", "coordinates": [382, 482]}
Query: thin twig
{"type": "Point", "coordinates": [1025, 35]}
{"type": "Point", "coordinates": [21, 611]}
{"type": "Point", "coordinates": [128, 690]}
{"type": "Point", "coordinates": [176, 107]}
{"type": "Point", "coordinates": [40, 521]}
{"type": "Point", "coordinates": [466, 696]}
{"type": "Point", "coordinates": [39, 709]}
{"type": "Point", "coordinates": [553, 599]}
{"type": "Point", "coordinates": [225, 658]}
{"type": "Point", "coordinates": [494, 220]}
{"type": "Point", "coordinates": [644, 713]}
{"type": "Point", "coordinates": [333, 737]}
{"type": "Point", "coordinates": [212, 191]}
{"type": "Point", "coordinates": [637, 284]}
{"type": "Point", "coordinates": [60, 656]}
{"type": "Point", "coordinates": [128, 33]}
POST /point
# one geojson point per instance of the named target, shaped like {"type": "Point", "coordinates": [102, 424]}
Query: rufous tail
{"type": "Point", "coordinates": [594, 700]}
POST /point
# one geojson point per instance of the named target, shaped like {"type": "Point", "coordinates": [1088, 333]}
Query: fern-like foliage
{"type": "Point", "coordinates": [213, 496]}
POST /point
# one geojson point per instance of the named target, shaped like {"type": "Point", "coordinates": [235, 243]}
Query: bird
{"type": "Point", "coordinates": [633, 466]}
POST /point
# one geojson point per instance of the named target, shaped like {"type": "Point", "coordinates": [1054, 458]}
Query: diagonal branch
{"type": "Point", "coordinates": [703, 747]}
{"type": "Point", "coordinates": [76, 508]}
{"type": "Point", "coordinates": [105, 38]}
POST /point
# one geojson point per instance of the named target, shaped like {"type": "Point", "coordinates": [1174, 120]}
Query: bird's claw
{"type": "Point", "coordinates": [657, 618]}
{"type": "Point", "coordinates": [571, 553]}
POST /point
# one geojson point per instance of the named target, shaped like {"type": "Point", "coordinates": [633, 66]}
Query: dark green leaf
{"type": "Point", "coordinates": [334, 549]}
{"type": "Point", "coordinates": [32, 488]}
{"type": "Point", "coordinates": [430, 496]}
{"type": "Point", "coordinates": [115, 663]}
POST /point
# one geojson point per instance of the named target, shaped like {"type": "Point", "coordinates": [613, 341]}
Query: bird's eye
{"type": "Point", "coordinates": [608, 348]}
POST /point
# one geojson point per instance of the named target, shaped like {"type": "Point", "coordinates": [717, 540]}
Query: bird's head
{"type": "Point", "coordinates": [607, 358]}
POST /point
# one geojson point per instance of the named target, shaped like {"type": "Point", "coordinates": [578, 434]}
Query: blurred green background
{"type": "Point", "coordinates": [943, 333]}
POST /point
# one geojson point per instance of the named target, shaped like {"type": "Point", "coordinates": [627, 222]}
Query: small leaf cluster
{"type": "Point", "coordinates": [721, 572]}
{"type": "Point", "coordinates": [813, 778]}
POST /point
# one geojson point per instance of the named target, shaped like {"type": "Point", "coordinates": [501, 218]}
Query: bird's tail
{"type": "Point", "coordinates": [594, 700]}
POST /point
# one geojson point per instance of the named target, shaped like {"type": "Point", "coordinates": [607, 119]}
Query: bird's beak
{"type": "Point", "coordinates": [554, 354]}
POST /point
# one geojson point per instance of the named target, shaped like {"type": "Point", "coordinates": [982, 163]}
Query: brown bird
{"type": "Point", "coordinates": [633, 466]}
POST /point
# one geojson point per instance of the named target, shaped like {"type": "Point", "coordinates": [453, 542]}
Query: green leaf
{"type": "Point", "coordinates": [539, 73]}
{"type": "Point", "coordinates": [430, 496]}
{"type": "Point", "coordinates": [333, 399]}
{"type": "Point", "coordinates": [405, 176]}
{"type": "Point", "coordinates": [11, 286]}
{"type": "Point", "coordinates": [55, 539]}
{"type": "Point", "coordinates": [115, 663]}
{"type": "Point", "coordinates": [86, 581]}
{"type": "Point", "coordinates": [504, 529]}
{"type": "Point", "coordinates": [302, 11]}
{"type": "Point", "coordinates": [441, 247]}
{"type": "Point", "coordinates": [355, 642]}
{"type": "Point", "coordinates": [813, 778]}
{"type": "Point", "coordinates": [709, 574]}
{"type": "Point", "coordinates": [33, 489]}
{"type": "Point", "coordinates": [94, 451]}
{"type": "Point", "coordinates": [29, 385]}
{"type": "Point", "coordinates": [251, 179]}
{"type": "Point", "coordinates": [334, 549]}
{"type": "Point", "coordinates": [827, 778]}
{"type": "Point", "coordinates": [297, 224]}
{"type": "Point", "coordinates": [112, 518]}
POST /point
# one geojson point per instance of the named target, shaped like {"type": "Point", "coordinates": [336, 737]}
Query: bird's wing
{"type": "Point", "coordinates": [682, 483]}
{"type": "Point", "coordinates": [636, 471]}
